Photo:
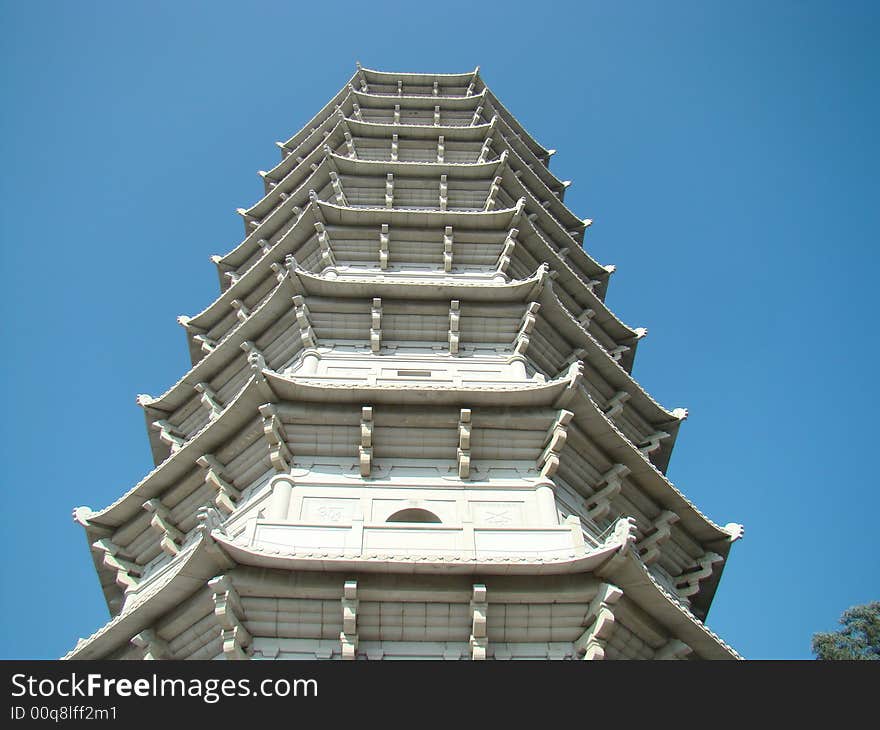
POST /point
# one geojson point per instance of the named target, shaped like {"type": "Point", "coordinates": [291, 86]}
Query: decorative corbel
{"type": "Point", "coordinates": [652, 442]}
{"type": "Point", "coordinates": [206, 344]}
{"type": "Point", "coordinates": [649, 547]}
{"type": "Point", "coordinates": [250, 222]}
{"type": "Point", "coordinates": [209, 399]}
{"type": "Point", "coordinates": [389, 190]}
{"type": "Point", "coordinates": [365, 450]}
{"type": "Point", "coordinates": [397, 114]}
{"type": "Point", "coordinates": [170, 538]}
{"type": "Point", "coordinates": [599, 622]}
{"type": "Point", "coordinates": [384, 240]}
{"type": "Point", "coordinates": [301, 310]}
{"type": "Point", "coordinates": [507, 251]}
{"type": "Point", "coordinates": [348, 637]}
{"type": "Point", "coordinates": [473, 84]}
{"type": "Point", "coordinates": [614, 406]}
{"type": "Point", "coordinates": [229, 614]}
{"type": "Point", "coordinates": [242, 311]}
{"type": "Point", "coordinates": [688, 583]}
{"type": "Point", "coordinates": [395, 147]}
{"type": "Point", "coordinates": [127, 572]}
{"type": "Point", "coordinates": [363, 80]}
{"type": "Point", "coordinates": [376, 325]}
{"type": "Point", "coordinates": [576, 356]}
{"type": "Point", "coordinates": [521, 344]}
{"type": "Point", "coordinates": [454, 326]}
{"type": "Point", "coordinates": [280, 270]}
{"type": "Point", "coordinates": [153, 646]}
{"type": "Point", "coordinates": [554, 442]}
{"type": "Point", "coordinates": [437, 116]}
{"type": "Point", "coordinates": [441, 148]}
{"type": "Point", "coordinates": [464, 443]}
{"type": "Point", "coordinates": [448, 240]}
{"type": "Point", "coordinates": [255, 358]}
{"type": "Point", "coordinates": [336, 184]}
{"type": "Point", "coordinates": [273, 432]}
{"type": "Point", "coordinates": [585, 318]}
{"type": "Point", "coordinates": [618, 351]}
{"type": "Point", "coordinates": [324, 244]}
{"type": "Point", "coordinates": [169, 435]}
{"type": "Point", "coordinates": [475, 119]}
{"type": "Point", "coordinates": [479, 640]}
{"type": "Point", "coordinates": [349, 143]}
{"type": "Point", "coordinates": [493, 194]}
{"type": "Point", "coordinates": [599, 504]}
{"type": "Point", "coordinates": [226, 494]}
{"type": "Point", "coordinates": [444, 192]}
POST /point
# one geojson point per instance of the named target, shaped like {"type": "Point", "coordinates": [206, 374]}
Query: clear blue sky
{"type": "Point", "coordinates": [728, 153]}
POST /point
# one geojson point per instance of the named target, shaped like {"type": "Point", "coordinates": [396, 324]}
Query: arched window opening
{"type": "Point", "coordinates": [414, 514]}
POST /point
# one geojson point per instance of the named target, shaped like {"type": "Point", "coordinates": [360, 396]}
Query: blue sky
{"type": "Point", "coordinates": [728, 153]}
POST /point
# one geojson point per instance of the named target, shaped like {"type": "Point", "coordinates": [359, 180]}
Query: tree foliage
{"type": "Point", "coordinates": [858, 639]}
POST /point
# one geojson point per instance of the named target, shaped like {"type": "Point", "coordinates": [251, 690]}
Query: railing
{"type": "Point", "coordinates": [416, 539]}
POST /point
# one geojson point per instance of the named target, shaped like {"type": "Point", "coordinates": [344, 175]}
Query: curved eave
{"type": "Point", "coordinates": [542, 154]}
{"type": "Point", "coordinates": [458, 103]}
{"type": "Point", "coordinates": [610, 323]}
{"type": "Point", "coordinates": [298, 174]}
{"type": "Point", "coordinates": [220, 307]}
{"type": "Point", "coordinates": [187, 573]}
{"type": "Point", "coordinates": [549, 223]}
{"type": "Point", "coordinates": [382, 130]}
{"type": "Point", "coordinates": [386, 77]}
{"type": "Point", "coordinates": [600, 360]}
{"type": "Point", "coordinates": [375, 130]}
{"type": "Point", "coordinates": [238, 412]}
{"type": "Point", "coordinates": [312, 561]}
{"type": "Point", "coordinates": [397, 287]}
{"type": "Point", "coordinates": [415, 218]}
{"type": "Point", "coordinates": [315, 390]}
{"type": "Point", "coordinates": [631, 575]}
{"type": "Point", "coordinates": [308, 144]}
{"type": "Point", "coordinates": [619, 449]}
{"type": "Point", "coordinates": [321, 116]}
{"type": "Point", "coordinates": [268, 386]}
{"type": "Point", "coordinates": [227, 349]}
{"type": "Point", "coordinates": [575, 282]}
{"type": "Point", "coordinates": [524, 152]}
{"type": "Point", "coordinates": [185, 576]}
{"type": "Point", "coordinates": [408, 168]}
{"type": "Point", "coordinates": [538, 185]}
{"type": "Point", "coordinates": [272, 223]}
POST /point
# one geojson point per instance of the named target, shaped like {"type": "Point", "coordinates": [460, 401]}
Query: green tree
{"type": "Point", "coordinates": [858, 639]}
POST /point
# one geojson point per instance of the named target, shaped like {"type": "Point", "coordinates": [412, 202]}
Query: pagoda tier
{"type": "Point", "coordinates": [239, 594]}
{"type": "Point", "coordinates": [410, 370]}
{"type": "Point", "coordinates": [454, 319]}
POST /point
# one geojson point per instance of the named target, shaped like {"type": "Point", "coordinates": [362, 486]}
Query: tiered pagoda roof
{"type": "Point", "coordinates": [411, 314]}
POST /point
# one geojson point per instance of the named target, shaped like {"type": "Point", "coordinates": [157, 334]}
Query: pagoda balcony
{"type": "Point", "coordinates": [419, 541]}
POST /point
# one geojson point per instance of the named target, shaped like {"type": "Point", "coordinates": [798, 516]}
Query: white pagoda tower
{"type": "Point", "coordinates": [410, 428]}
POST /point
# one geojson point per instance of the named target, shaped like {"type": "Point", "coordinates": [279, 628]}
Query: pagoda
{"type": "Point", "coordinates": [410, 428]}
